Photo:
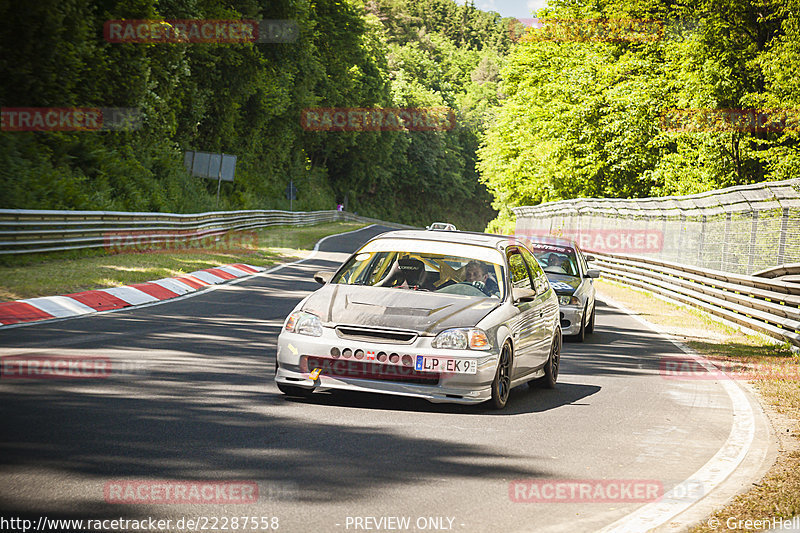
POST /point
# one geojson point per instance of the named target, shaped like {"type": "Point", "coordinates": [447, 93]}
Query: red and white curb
{"type": "Point", "coordinates": [81, 303]}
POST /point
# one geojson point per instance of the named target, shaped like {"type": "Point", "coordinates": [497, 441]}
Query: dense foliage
{"type": "Point", "coordinates": [583, 116]}
{"type": "Point", "coordinates": [538, 119]}
{"type": "Point", "coordinates": [246, 99]}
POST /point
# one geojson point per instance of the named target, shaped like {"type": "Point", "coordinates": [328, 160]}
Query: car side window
{"type": "Point", "coordinates": [520, 279]}
{"type": "Point", "coordinates": [540, 282]}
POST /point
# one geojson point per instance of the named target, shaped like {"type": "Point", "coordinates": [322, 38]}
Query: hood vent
{"type": "Point", "coordinates": [360, 333]}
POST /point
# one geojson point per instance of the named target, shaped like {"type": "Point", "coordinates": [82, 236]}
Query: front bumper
{"type": "Point", "coordinates": [571, 318]}
{"type": "Point", "coordinates": [298, 355]}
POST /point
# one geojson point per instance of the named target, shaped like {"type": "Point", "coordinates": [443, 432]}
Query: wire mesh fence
{"type": "Point", "coordinates": [741, 230]}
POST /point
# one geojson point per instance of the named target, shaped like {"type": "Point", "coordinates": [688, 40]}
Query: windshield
{"type": "Point", "coordinates": [424, 271]}
{"type": "Point", "coordinates": [556, 259]}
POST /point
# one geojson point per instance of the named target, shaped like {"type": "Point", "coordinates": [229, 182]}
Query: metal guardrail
{"type": "Point", "coordinates": [767, 305]}
{"type": "Point", "coordinates": [36, 231]}
{"type": "Point", "coordinates": [789, 272]}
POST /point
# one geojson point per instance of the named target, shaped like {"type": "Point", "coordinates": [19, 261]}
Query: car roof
{"type": "Point", "coordinates": [438, 226]}
{"type": "Point", "coordinates": [489, 240]}
{"type": "Point", "coordinates": [555, 241]}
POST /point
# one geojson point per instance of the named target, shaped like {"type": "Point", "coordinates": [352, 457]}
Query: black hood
{"type": "Point", "coordinates": [420, 311]}
{"type": "Point", "coordinates": [558, 282]}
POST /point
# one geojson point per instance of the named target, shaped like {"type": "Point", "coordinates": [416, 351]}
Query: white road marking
{"type": "Point", "coordinates": [710, 475]}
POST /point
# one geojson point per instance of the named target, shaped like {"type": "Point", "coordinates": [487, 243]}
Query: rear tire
{"type": "Point", "coordinates": [548, 381]}
{"type": "Point", "coordinates": [501, 386]}
{"type": "Point", "coordinates": [553, 362]}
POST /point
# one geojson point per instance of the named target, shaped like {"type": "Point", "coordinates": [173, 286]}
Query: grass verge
{"type": "Point", "coordinates": [775, 373]}
{"type": "Point", "coordinates": [32, 275]}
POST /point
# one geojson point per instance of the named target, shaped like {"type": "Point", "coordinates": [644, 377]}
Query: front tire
{"type": "Point", "coordinates": [501, 386]}
{"type": "Point", "coordinates": [590, 325]}
{"type": "Point", "coordinates": [581, 335]}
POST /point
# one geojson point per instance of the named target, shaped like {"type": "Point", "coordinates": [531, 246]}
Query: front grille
{"type": "Point", "coordinates": [343, 368]}
{"type": "Point", "coordinates": [360, 333]}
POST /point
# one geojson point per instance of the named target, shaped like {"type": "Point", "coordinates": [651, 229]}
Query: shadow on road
{"type": "Point", "coordinates": [523, 400]}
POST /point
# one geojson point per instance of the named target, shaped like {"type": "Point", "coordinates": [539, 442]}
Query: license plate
{"type": "Point", "coordinates": [428, 363]}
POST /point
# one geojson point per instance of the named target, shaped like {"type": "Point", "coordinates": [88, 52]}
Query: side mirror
{"type": "Point", "coordinates": [523, 295]}
{"type": "Point", "coordinates": [592, 273]}
{"type": "Point", "coordinates": [323, 277]}
{"type": "Point", "coordinates": [590, 258]}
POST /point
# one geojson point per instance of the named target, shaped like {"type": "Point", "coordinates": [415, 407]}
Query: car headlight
{"type": "Point", "coordinates": [304, 324]}
{"type": "Point", "coordinates": [568, 300]}
{"type": "Point", "coordinates": [462, 339]}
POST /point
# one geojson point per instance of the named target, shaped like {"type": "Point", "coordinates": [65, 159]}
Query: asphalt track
{"type": "Point", "coordinates": [191, 398]}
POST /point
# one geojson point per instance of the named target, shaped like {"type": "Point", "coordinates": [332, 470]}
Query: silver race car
{"type": "Point", "coordinates": [567, 269]}
{"type": "Point", "coordinates": [447, 316]}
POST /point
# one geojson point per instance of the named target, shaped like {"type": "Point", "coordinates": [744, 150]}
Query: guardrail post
{"type": "Point", "coordinates": [784, 231]}
{"type": "Point", "coordinates": [724, 251]}
{"type": "Point", "coordinates": [700, 242]}
{"type": "Point", "coordinates": [752, 250]}
{"type": "Point", "coordinates": [681, 233]}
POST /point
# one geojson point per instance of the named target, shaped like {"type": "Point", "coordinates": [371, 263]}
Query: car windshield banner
{"type": "Point", "coordinates": [551, 248]}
